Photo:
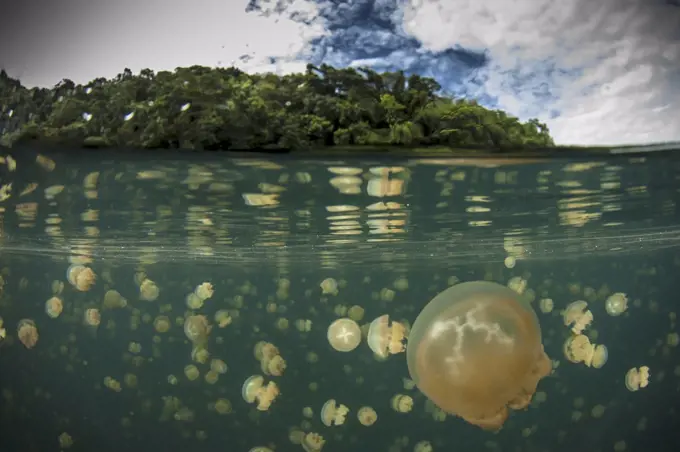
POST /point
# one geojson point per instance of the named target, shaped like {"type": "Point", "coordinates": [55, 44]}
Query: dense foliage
{"type": "Point", "coordinates": [224, 108]}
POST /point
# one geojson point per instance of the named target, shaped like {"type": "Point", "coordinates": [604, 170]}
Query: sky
{"type": "Point", "coordinates": [603, 72]}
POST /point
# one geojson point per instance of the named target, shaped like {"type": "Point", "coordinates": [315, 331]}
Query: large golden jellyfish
{"type": "Point", "coordinates": [475, 350]}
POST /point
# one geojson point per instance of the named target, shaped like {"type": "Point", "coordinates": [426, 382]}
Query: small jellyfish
{"type": "Point", "coordinates": [218, 366]}
{"type": "Point", "coordinates": [637, 378]}
{"type": "Point", "coordinates": [385, 338]}
{"type": "Point", "coordinates": [254, 390]}
{"type": "Point", "coordinates": [114, 300]}
{"type": "Point", "coordinates": [423, 446]}
{"type": "Point", "coordinates": [197, 329]}
{"type": "Point", "coordinates": [579, 349]}
{"type": "Point", "coordinates": [191, 372]}
{"type": "Point", "coordinates": [344, 335]}
{"type": "Point", "coordinates": [27, 332]}
{"type": "Point", "coordinates": [92, 317]}
{"type": "Point", "coordinates": [546, 305]}
{"type": "Point", "coordinates": [616, 304]}
{"type": "Point", "coordinates": [81, 277]}
{"type": "Point", "coordinates": [222, 318]}
{"type": "Point", "coordinates": [402, 403]}
{"type": "Point", "coordinates": [333, 414]}
{"type": "Point", "coordinates": [204, 291]}
{"type": "Point", "coordinates": [53, 307]}
{"type": "Point", "coordinates": [329, 286]}
{"type": "Point", "coordinates": [148, 290]}
{"type": "Point", "coordinates": [577, 316]}
{"type": "Point", "coordinates": [367, 416]}
{"type": "Point", "coordinates": [313, 442]}
{"type": "Point", "coordinates": [161, 324]}
{"type": "Point", "coordinates": [274, 366]}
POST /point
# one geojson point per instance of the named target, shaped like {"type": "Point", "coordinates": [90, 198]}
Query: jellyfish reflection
{"type": "Point", "coordinates": [475, 350]}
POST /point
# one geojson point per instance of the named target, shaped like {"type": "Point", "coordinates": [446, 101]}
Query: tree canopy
{"type": "Point", "coordinates": [225, 108]}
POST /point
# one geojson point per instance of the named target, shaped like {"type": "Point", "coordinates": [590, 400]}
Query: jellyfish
{"type": "Point", "coordinates": [344, 335]}
{"type": "Point", "coordinates": [616, 304]}
{"type": "Point", "coordinates": [333, 414]}
{"type": "Point", "coordinates": [27, 332]}
{"type": "Point", "coordinates": [53, 307]}
{"type": "Point", "coordinates": [254, 390]}
{"type": "Point", "coordinates": [197, 329]}
{"type": "Point", "coordinates": [475, 351]}
{"type": "Point", "coordinates": [577, 316]}
{"type": "Point", "coordinates": [386, 338]}
{"type": "Point", "coordinates": [637, 378]}
{"type": "Point", "coordinates": [579, 349]}
{"type": "Point", "coordinates": [367, 416]}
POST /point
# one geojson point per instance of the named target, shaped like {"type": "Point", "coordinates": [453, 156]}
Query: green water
{"type": "Point", "coordinates": [266, 232]}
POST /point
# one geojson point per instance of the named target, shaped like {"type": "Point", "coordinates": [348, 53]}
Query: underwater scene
{"type": "Point", "coordinates": [254, 303]}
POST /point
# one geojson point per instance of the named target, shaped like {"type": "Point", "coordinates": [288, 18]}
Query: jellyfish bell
{"type": "Point", "coordinates": [344, 335]}
{"type": "Point", "coordinates": [386, 338]}
{"type": "Point", "coordinates": [475, 351]}
{"type": "Point", "coordinates": [251, 387]}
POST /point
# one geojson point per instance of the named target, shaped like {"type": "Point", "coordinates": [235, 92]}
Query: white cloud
{"type": "Point", "coordinates": [84, 40]}
{"type": "Point", "coordinates": [612, 66]}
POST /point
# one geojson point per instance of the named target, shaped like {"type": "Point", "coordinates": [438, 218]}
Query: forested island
{"type": "Point", "coordinates": [227, 109]}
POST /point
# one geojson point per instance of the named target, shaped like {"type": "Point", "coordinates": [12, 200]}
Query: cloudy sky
{"type": "Point", "coordinates": [597, 72]}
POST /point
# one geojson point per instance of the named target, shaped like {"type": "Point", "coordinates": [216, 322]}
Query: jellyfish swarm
{"type": "Point", "coordinates": [475, 350]}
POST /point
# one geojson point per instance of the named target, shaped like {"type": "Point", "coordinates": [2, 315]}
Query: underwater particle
{"type": "Point", "coordinates": [27, 333]}
{"type": "Point", "coordinates": [53, 307]}
{"type": "Point", "coordinates": [313, 442]}
{"type": "Point", "coordinates": [191, 372]}
{"type": "Point", "coordinates": [329, 286]}
{"type": "Point", "coordinates": [114, 300]}
{"type": "Point", "coordinates": [218, 366]}
{"type": "Point", "coordinates": [402, 403]}
{"type": "Point", "coordinates": [92, 317]}
{"type": "Point", "coordinates": [423, 446]}
{"type": "Point", "coordinates": [385, 338]}
{"type": "Point", "coordinates": [637, 378]}
{"type": "Point", "coordinates": [367, 416]}
{"type": "Point", "coordinates": [475, 350]}
{"type": "Point", "coordinates": [204, 291]}
{"type": "Point", "coordinates": [577, 316]}
{"type": "Point", "coordinates": [161, 324]}
{"type": "Point", "coordinates": [197, 329]}
{"type": "Point", "coordinates": [546, 305]}
{"type": "Point", "coordinates": [254, 390]}
{"type": "Point", "coordinates": [333, 414]}
{"type": "Point", "coordinates": [81, 277]}
{"type": "Point", "coordinates": [223, 406]}
{"type": "Point", "coordinates": [148, 290]}
{"type": "Point", "coordinates": [616, 304]}
{"type": "Point", "coordinates": [65, 441]}
{"type": "Point", "coordinates": [344, 335]}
